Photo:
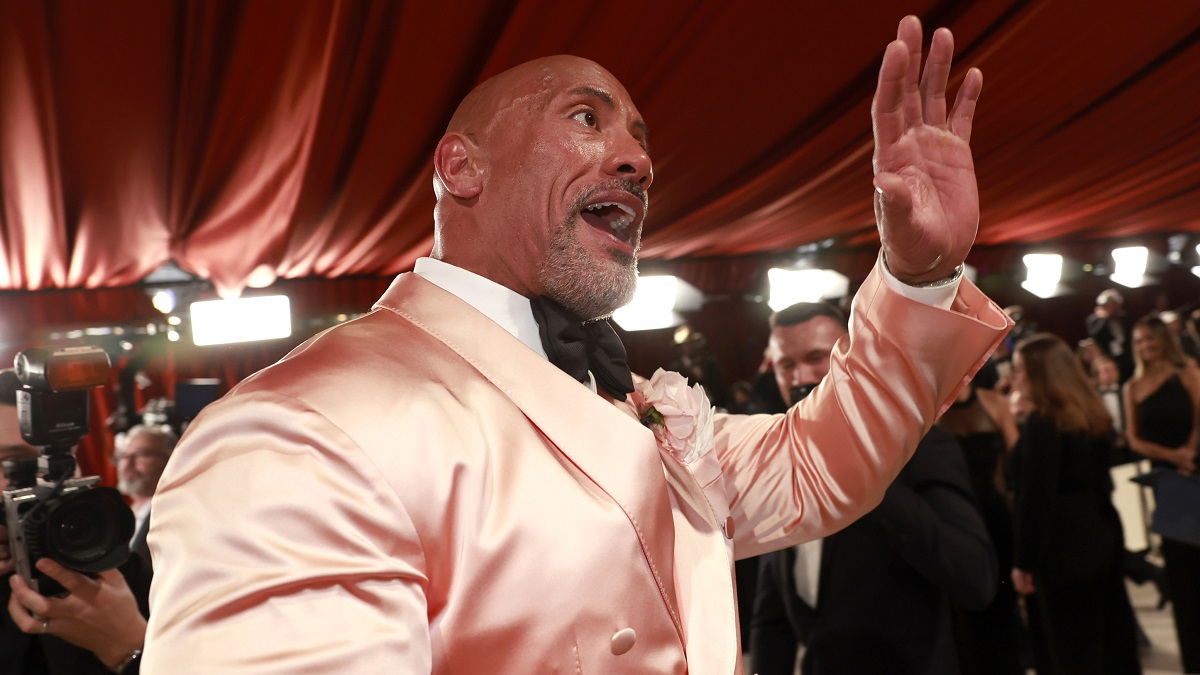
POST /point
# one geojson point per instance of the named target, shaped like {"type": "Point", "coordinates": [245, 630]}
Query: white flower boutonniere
{"type": "Point", "coordinates": [680, 416]}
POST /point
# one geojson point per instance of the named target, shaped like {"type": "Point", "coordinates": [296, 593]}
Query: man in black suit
{"type": "Point", "coordinates": [1107, 326]}
{"type": "Point", "coordinates": [875, 597]}
{"type": "Point", "coordinates": [98, 628]}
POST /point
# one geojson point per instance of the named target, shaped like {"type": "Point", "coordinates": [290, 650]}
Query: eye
{"type": "Point", "coordinates": [585, 117]}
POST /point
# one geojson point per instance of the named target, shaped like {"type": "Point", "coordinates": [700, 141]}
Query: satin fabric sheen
{"type": "Point", "coordinates": [417, 491]}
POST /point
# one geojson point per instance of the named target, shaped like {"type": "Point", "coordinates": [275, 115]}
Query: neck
{"type": "Point", "coordinates": [138, 502]}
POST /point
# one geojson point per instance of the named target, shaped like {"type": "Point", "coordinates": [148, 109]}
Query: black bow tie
{"type": "Point", "coordinates": [577, 347]}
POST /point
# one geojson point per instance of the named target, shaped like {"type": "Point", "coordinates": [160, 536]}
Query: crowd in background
{"type": "Point", "coordinates": [1040, 429]}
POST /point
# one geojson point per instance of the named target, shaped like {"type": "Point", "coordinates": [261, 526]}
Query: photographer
{"type": "Point", "coordinates": [95, 629]}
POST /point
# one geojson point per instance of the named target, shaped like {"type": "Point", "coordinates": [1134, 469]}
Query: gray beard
{"type": "Point", "coordinates": [592, 289]}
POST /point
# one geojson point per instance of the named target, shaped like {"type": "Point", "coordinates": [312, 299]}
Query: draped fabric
{"type": "Point", "coordinates": [294, 138]}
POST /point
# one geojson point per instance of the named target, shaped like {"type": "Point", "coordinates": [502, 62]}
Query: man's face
{"type": "Point", "coordinates": [565, 189]}
{"type": "Point", "coordinates": [1106, 373]}
{"type": "Point", "coordinates": [140, 464]}
{"type": "Point", "coordinates": [800, 353]}
{"type": "Point", "coordinates": [12, 446]}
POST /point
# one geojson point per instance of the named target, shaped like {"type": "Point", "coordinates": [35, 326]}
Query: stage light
{"type": "Point", "coordinates": [791, 286]}
{"type": "Point", "coordinates": [653, 305]}
{"type": "Point", "coordinates": [1131, 266]}
{"type": "Point", "coordinates": [163, 301]}
{"type": "Point", "coordinates": [216, 322]}
{"type": "Point", "coordinates": [1045, 271]}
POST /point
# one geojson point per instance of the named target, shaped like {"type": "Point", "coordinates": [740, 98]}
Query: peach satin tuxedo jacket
{"type": "Point", "coordinates": [417, 491]}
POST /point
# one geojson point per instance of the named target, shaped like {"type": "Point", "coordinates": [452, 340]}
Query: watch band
{"type": "Point", "coordinates": [130, 659]}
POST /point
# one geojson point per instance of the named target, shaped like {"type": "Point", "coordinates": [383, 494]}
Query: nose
{"type": "Point", "coordinates": [630, 160]}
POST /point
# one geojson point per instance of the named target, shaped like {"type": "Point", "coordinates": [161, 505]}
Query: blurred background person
{"type": "Point", "coordinates": [1162, 405]}
{"type": "Point", "coordinates": [93, 630]}
{"type": "Point", "coordinates": [140, 457]}
{"type": "Point", "coordinates": [1107, 326]}
{"type": "Point", "coordinates": [1069, 541]}
{"type": "Point", "coordinates": [988, 639]}
{"type": "Point", "coordinates": [875, 597]}
{"type": "Point", "coordinates": [1187, 340]}
{"type": "Point", "coordinates": [693, 361]}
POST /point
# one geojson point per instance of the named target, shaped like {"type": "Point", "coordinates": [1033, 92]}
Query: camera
{"type": "Point", "coordinates": [49, 513]}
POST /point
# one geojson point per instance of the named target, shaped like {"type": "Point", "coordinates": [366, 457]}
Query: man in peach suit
{"type": "Point", "coordinates": [420, 490]}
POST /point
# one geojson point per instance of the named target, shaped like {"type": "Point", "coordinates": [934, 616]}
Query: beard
{"type": "Point", "coordinates": [135, 486]}
{"type": "Point", "coordinates": [591, 287]}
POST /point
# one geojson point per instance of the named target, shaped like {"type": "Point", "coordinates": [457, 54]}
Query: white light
{"type": "Point", "coordinates": [652, 307]}
{"type": "Point", "coordinates": [1045, 270]}
{"type": "Point", "coordinates": [791, 286]}
{"type": "Point", "coordinates": [1196, 271]}
{"type": "Point", "coordinates": [261, 276]}
{"type": "Point", "coordinates": [164, 301]}
{"type": "Point", "coordinates": [174, 320]}
{"type": "Point", "coordinates": [173, 335]}
{"type": "Point", "coordinates": [218, 322]}
{"type": "Point", "coordinates": [1131, 266]}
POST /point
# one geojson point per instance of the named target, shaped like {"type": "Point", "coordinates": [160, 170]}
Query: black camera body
{"type": "Point", "coordinates": [49, 513]}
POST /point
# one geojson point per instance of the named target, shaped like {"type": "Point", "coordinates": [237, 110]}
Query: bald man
{"type": "Point", "coordinates": [422, 490]}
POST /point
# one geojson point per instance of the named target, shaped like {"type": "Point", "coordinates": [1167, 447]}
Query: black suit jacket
{"type": "Point", "coordinates": [886, 581]}
{"type": "Point", "coordinates": [1100, 329]}
{"type": "Point", "coordinates": [22, 654]}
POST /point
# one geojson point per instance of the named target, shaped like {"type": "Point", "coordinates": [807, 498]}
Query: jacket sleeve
{"type": "Point", "coordinates": [276, 491]}
{"type": "Point", "coordinates": [930, 518]}
{"type": "Point", "coordinates": [826, 462]}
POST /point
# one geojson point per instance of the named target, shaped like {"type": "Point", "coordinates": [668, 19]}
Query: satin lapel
{"type": "Point", "coordinates": [616, 452]}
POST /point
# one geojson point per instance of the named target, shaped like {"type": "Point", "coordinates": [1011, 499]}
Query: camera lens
{"type": "Point", "coordinates": [89, 530]}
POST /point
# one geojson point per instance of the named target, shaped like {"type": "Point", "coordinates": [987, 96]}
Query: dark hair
{"type": "Point", "coordinates": [1058, 387]}
{"type": "Point", "coordinates": [803, 312]}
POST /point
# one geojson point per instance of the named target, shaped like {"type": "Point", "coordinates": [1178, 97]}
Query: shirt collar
{"type": "Point", "coordinates": [503, 305]}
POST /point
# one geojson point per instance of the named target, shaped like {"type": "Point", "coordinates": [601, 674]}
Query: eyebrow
{"type": "Point", "coordinates": [607, 99]}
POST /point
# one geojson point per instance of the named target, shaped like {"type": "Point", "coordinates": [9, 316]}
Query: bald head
{"type": "Point", "coordinates": [541, 182]}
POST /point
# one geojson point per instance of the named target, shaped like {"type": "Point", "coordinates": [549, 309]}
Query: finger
{"type": "Point", "coordinates": [909, 32]}
{"type": "Point", "coordinates": [963, 114]}
{"type": "Point", "coordinates": [887, 115]}
{"type": "Point", "coordinates": [74, 582]}
{"type": "Point", "coordinates": [29, 600]}
{"type": "Point", "coordinates": [20, 616]}
{"type": "Point", "coordinates": [933, 80]}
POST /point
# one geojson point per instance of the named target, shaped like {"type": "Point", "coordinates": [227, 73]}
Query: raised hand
{"type": "Point", "coordinates": [926, 198]}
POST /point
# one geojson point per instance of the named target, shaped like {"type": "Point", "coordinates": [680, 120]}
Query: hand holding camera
{"type": "Point", "coordinates": [48, 513]}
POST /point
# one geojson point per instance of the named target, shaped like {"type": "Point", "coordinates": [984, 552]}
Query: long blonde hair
{"type": "Point", "coordinates": [1059, 389]}
{"type": "Point", "coordinates": [1172, 352]}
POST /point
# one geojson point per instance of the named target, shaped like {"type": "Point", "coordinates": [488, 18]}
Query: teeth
{"type": "Point", "coordinates": [619, 223]}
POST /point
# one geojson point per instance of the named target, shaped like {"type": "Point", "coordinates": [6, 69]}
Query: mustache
{"type": "Point", "coordinates": [622, 184]}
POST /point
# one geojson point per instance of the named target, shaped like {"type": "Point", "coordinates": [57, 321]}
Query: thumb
{"type": "Point", "coordinates": [893, 201]}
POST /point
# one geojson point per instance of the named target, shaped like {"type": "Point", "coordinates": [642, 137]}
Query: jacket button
{"type": "Point", "coordinates": [728, 527]}
{"type": "Point", "coordinates": [622, 641]}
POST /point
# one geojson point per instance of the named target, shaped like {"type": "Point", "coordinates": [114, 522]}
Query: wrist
{"type": "Point", "coordinates": [932, 278]}
{"type": "Point", "coordinates": [127, 662]}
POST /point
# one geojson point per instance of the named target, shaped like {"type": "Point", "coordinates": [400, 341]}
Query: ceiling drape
{"type": "Point", "coordinates": [293, 139]}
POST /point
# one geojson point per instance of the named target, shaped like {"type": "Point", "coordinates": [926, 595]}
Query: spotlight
{"type": "Point", "coordinates": [1045, 271]}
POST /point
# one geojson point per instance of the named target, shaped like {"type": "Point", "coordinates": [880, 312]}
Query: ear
{"type": "Point", "coordinates": [459, 166]}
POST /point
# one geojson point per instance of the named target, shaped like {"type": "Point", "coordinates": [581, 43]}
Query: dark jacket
{"type": "Point", "coordinates": [886, 581]}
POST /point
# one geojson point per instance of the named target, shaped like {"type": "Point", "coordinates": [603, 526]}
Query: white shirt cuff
{"type": "Point", "coordinates": [937, 296]}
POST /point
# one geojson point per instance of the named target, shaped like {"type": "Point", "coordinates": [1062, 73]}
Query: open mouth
{"type": "Point", "coordinates": [616, 219]}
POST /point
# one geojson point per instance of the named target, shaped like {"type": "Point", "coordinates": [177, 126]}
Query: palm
{"type": "Point", "coordinates": [927, 202]}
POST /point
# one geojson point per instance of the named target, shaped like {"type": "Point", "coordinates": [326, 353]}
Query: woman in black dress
{"type": "Point", "coordinates": [1161, 406]}
{"type": "Point", "coordinates": [1067, 557]}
